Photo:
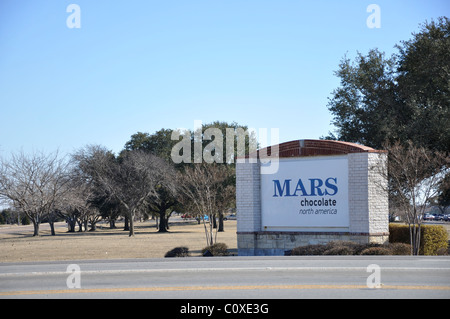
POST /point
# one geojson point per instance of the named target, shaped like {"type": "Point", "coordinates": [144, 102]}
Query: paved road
{"type": "Point", "coordinates": [230, 277]}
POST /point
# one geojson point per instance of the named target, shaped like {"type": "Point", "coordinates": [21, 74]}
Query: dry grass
{"type": "Point", "coordinates": [17, 243]}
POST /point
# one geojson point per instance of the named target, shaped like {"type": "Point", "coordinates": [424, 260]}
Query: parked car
{"type": "Point", "coordinates": [230, 217]}
{"type": "Point", "coordinates": [393, 218]}
{"type": "Point", "coordinates": [205, 217]}
{"type": "Point", "coordinates": [428, 217]}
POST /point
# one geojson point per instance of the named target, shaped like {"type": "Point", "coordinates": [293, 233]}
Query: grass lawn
{"type": "Point", "coordinates": [18, 244]}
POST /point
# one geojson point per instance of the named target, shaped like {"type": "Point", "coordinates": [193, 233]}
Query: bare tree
{"type": "Point", "coordinates": [414, 175]}
{"type": "Point", "coordinates": [226, 193]}
{"type": "Point", "coordinates": [132, 179]}
{"type": "Point", "coordinates": [33, 183]}
{"type": "Point", "coordinates": [165, 199]}
{"type": "Point", "coordinates": [203, 192]}
{"type": "Point", "coordinates": [77, 204]}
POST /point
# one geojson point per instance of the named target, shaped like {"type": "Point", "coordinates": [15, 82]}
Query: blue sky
{"type": "Point", "coordinates": [146, 65]}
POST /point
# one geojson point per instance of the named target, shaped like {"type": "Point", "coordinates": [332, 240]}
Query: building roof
{"type": "Point", "coordinates": [302, 148]}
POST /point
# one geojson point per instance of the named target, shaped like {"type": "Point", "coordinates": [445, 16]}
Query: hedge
{"type": "Point", "coordinates": [352, 248]}
{"type": "Point", "coordinates": [433, 238]}
{"type": "Point", "coordinates": [178, 252]}
{"type": "Point", "coordinates": [218, 249]}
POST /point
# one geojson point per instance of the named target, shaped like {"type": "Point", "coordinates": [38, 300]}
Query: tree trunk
{"type": "Point", "coordinates": [221, 229]}
{"type": "Point", "coordinates": [414, 233]}
{"type": "Point", "coordinates": [162, 222]}
{"type": "Point", "coordinates": [167, 221]}
{"type": "Point", "coordinates": [126, 226]}
{"type": "Point", "coordinates": [131, 234]}
{"type": "Point", "coordinates": [52, 227]}
{"type": "Point", "coordinates": [80, 226]}
{"type": "Point", "coordinates": [36, 227]}
{"type": "Point", "coordinates": [71, 223]}
{"type": "Point", "coordinates": [417, 240]}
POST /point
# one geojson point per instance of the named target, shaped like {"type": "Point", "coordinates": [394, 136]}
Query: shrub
{"type": "Point", "coordinates": [178, 252]}
{"type": "Point", "coordinates": [339, 250]}
{"type": "Point", "coordinates": [433, 237]}
{"type": "Point", "coordinates": [218, 249]}
{"type": "Point", "coordinates": [309, 250]}
{"type": "Point", "coordinates": [340, 247]}
{"type": "Point", "coordinates": [442, 251]}
{"type": "Point", "coordinates": [359, 248]}
{"type": "Point", "coordinates": [400, 249]}
{"type": "Point", "coordinates": [376, 251]}
{"type": "Point", "coordinates": [352, 248]}
{"type": "Point", "coordinates": [399, 233]}
{"type": "Point", "coordinates": [434, 242]}
{"type": "Point", "coordinates": [341, 243]}
{"type": "Point", "coordinates": [333, 248]}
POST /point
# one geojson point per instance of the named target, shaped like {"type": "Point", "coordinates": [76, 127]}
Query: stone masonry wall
{"type": "Point", "coordinates": [368, 209]}
{"type": "Point", "coordinates": [248, 197]}
{"type": "Point", "coordinates": [378, 197]}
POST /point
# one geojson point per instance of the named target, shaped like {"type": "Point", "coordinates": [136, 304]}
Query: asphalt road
{"type": "Point", "coordinates": [231, 277]}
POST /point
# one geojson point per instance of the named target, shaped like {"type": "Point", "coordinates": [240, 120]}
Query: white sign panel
{"type": "Point", "coordinates": [306, 193]}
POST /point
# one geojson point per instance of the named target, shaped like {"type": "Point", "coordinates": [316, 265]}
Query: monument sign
{"type": "Point", "coordinates": [321, 191]}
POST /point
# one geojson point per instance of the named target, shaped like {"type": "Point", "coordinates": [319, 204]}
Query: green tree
{"type": "Point", "coordinates": [403, 100]}
{"type": "Point", "coordinates": [424, 84]}
{"type": "Point", "coordinates": [234, 138]}
{"type": "Point", "coordinates": [365, 106]}
{"type": "Point", "coordinates": [442, 200]}
{"type": "Point", "coordinates": [132, 180]}
{"type": "Point", "coordinates": [159, 144]}
{"type": "Point", "coordinates": [400, 98]}
{"type": "Point", "coordinates": [3, 218]}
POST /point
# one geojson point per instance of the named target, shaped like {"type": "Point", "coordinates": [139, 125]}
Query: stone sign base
{"type": "Point", "coordinates": [367, 208]}
{"type": "Point", "coordinates": [277, 243]}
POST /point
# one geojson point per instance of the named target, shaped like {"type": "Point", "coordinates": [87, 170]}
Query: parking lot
{"type": "Point", "coordinates": [437, 217]}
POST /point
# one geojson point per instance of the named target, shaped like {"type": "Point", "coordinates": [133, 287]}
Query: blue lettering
{"type": "Point", "coordinates": [331, 186]}
{"type": "Point", "coordinates": [315, 187]}
{"type": "Point", "coordinates": [300, 187]}
{"type": "Point", "coordinates": [277, 186]}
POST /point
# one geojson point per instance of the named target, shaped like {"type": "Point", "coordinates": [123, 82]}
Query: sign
{"type": "Point", "coordinates": [306, 193]}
